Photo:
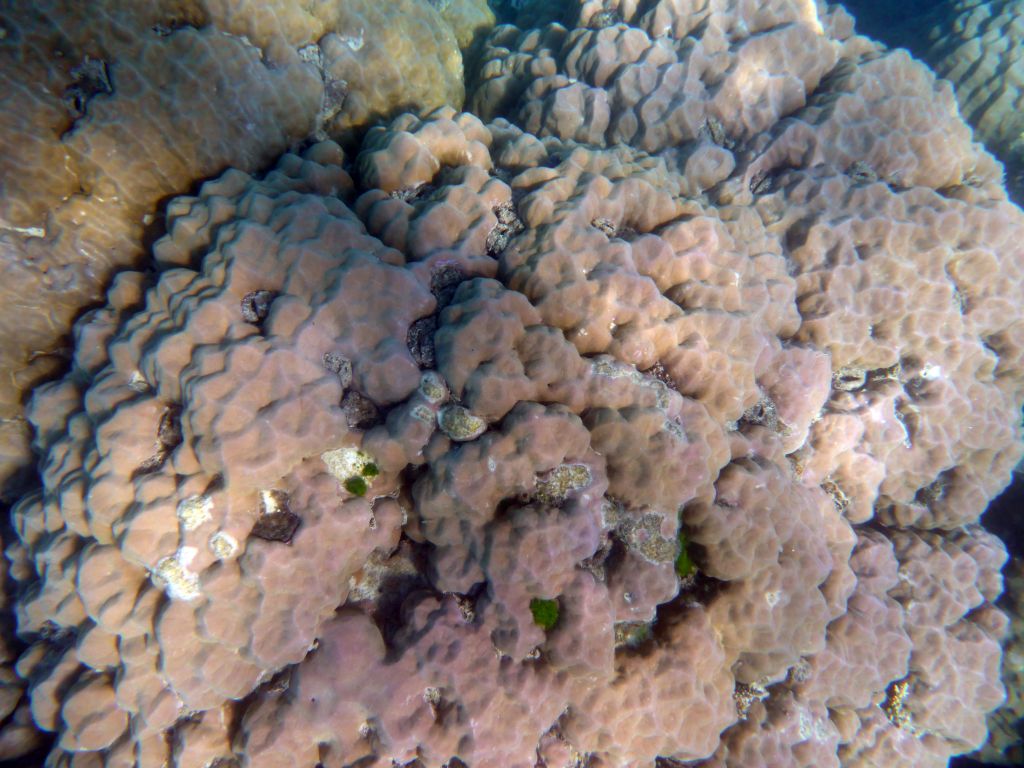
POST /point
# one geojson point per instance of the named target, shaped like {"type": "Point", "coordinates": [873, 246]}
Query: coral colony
{"type": "Point", "coordinates": [642, 413]}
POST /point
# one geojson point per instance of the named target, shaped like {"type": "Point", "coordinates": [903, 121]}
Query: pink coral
{"type": "Point", "coordinates": [114, 106]}
{"type": "Point", "coordinates": [305, 484]}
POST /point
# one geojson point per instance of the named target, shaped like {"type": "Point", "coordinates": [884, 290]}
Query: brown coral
{"type": "Point", "coordinates": [111, 108]}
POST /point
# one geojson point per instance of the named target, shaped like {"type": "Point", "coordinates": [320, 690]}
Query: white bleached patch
{"type": "Point", "coordinates": [173, 575]}
{"type": "Point", "coordinates": [194, 511]}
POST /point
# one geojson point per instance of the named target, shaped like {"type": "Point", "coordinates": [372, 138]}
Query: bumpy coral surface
{"type": "Point", "coordinates": [979, 47]}
{"type": "Point", "coordinates": [1005, 745]}
{"type": "Point", "coordinates": [393, 458]}
{"type": "Point", "coordinates": [110, 107]}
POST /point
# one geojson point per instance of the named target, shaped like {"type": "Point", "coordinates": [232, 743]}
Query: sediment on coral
{"type": "Point", "coordinates": [511, 439]}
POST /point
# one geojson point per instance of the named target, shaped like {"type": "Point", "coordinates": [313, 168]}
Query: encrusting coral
{"type": "Point", "coordinates": [111, 107]}
{"type": "Point", "coordinates": [975, 44]}
{"type": "Point", "coordinates": [395, 456]}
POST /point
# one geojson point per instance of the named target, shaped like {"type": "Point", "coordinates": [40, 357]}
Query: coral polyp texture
{"type": "Point", "coordinates": [111, 107]}
{"type": "Point", "coordinates": [657, 436]}
{"type": "Point", "coordinates": [978, 47]}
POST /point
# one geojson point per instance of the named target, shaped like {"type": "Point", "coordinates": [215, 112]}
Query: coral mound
{"type": "Point", "coordinates": [977, 46]}
{"type": "Point", "coordinates": [392, 458]}
{"type": "Point", "coordinates": [110, 107]}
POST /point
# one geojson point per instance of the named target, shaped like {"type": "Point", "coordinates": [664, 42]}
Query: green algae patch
{"type": "Point", "coordinates": [354, 469]}
{"type": "Point", "coordinates": [356, 486]}
{"type": "Point", "coordinates": [545, 612]}
{"type": "Point", "coordinates": [685, 567]}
